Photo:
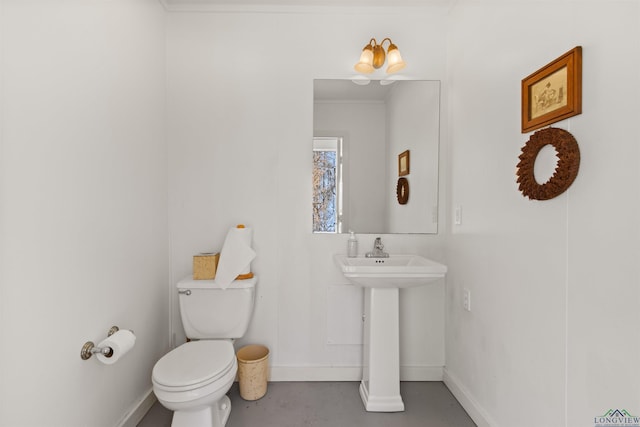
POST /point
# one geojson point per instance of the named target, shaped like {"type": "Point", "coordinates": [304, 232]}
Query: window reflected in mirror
{"type": "Point", "coordinates": [327, 185]}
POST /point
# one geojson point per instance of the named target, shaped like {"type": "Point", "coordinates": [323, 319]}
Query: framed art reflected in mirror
{"type": "Point", "coordinates": [402, 191]}
{"type": "Point", "coordinates": [403, 163]}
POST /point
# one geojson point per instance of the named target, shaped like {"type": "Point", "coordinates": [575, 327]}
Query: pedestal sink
{"type": "Point", "coordinates": [382, 279]}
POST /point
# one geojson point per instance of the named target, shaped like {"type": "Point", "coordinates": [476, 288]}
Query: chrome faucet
{"type": "Point", "coordinates": [377, 251]}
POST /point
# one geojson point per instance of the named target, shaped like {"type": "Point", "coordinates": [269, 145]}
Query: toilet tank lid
{"type": "Point", "coordinates": [189, 283]}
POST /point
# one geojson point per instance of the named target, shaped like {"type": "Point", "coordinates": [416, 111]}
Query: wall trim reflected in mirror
{"type": "Point", "coordinates": [359, 134]}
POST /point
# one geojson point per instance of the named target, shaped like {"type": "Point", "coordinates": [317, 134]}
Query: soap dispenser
{"type": "Point", "coordinates": [352, 245]}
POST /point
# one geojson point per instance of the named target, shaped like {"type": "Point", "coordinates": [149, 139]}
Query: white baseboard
{"type": "Point", "coordinates": [468, 402]}
{"type": "Point", "coordinates": [139, 410]}
{"type": "Point", "coordinates": [348, 373]}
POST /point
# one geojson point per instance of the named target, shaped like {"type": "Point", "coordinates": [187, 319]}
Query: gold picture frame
{"type": "Point", "coordinates": [554, 92]}
{"type": "Point", "coordinates": [403, 163]}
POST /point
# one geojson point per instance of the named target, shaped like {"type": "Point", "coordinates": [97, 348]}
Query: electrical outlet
{"type": "Point", "coordinates": [457, 215]}
{"type": "Point", "coordinates": [466, 299]}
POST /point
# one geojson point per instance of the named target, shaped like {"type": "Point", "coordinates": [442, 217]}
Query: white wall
{"type": "Point", "coordinates": [552, 338]}
{"type": "Point", "coordinates": [83, 207]}
{"type": "Point", "coordinates": [240, 133]}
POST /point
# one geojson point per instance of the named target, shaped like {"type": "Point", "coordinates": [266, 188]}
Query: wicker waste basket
{"type": "Point", "coordinates": [253, 369]}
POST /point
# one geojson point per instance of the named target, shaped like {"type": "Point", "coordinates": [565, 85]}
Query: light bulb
{"type": "Point", "coordinates": [394, 59]}
{"type": "Point", "coordinates": [365, 65]}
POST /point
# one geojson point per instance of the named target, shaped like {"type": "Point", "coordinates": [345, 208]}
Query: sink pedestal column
{"type": "Point", "coordinates": [380, 386]}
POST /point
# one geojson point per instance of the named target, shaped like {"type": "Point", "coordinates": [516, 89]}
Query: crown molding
{"type": "Point", "coordinates": [295, 6]}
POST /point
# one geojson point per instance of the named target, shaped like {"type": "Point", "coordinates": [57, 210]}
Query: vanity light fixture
{"type": "Point", "coordinates": [373, 57]}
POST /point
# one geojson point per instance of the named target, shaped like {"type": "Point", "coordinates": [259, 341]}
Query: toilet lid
{"type": "Point", "coordinates": [195, 363]}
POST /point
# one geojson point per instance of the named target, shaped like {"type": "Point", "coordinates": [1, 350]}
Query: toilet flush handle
{"type": "Point", "coordinates": [185, 291]}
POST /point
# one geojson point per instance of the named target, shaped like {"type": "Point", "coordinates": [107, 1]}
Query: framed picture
{"type": "Point", "coordinates": [554, 92]}
{"type": "Point", "coordinates": [403, 163]}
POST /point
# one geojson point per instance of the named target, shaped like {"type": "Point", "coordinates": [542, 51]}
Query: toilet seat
{"type": "Point", "coordinates": [194, 365]}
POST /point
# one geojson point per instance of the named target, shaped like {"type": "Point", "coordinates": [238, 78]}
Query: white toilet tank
{"type": "Point", "coordinates": [209, 312]}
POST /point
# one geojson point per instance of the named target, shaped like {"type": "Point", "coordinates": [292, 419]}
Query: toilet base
{"type": "Point", "coordinates": [208, 416]}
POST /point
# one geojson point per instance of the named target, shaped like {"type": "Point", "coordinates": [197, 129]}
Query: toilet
{"type": "Point", "coordinates": [193, 379]}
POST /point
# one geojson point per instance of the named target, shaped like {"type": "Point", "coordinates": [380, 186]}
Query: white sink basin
{"type": "Point", "coordinates": [397, 271]}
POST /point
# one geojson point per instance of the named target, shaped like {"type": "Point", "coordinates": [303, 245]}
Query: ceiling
{"type": "Point", "coordinates": [218, 4]}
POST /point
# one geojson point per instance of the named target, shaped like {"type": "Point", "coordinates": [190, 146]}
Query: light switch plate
{"type": "Point", "coordinates": [466, 299]}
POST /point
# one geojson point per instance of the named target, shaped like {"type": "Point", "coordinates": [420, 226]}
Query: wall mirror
{"type": "Point", "coordinates": [359, 133]}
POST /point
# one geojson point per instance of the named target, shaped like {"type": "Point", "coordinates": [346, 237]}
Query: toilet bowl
{"type": "Point", "coordinates": [193, 379]}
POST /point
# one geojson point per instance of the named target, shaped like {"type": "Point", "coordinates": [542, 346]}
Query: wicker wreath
{"type": "Point", "coordinates": [566, 171]}
{"type": "Point", "coordinates": [402, 191]}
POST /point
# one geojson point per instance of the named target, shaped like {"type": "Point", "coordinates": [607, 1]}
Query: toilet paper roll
{"type": "Point", "coordinates": [235, 257]}
{"type": "Point", "coordinates": [120, 343]}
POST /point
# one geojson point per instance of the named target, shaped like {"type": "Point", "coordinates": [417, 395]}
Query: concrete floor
{"type": "Point", "coordinates": [333, 404]}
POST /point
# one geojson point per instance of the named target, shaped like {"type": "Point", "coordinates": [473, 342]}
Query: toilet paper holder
{"type": "Point", "coordinates": [89, 348]}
